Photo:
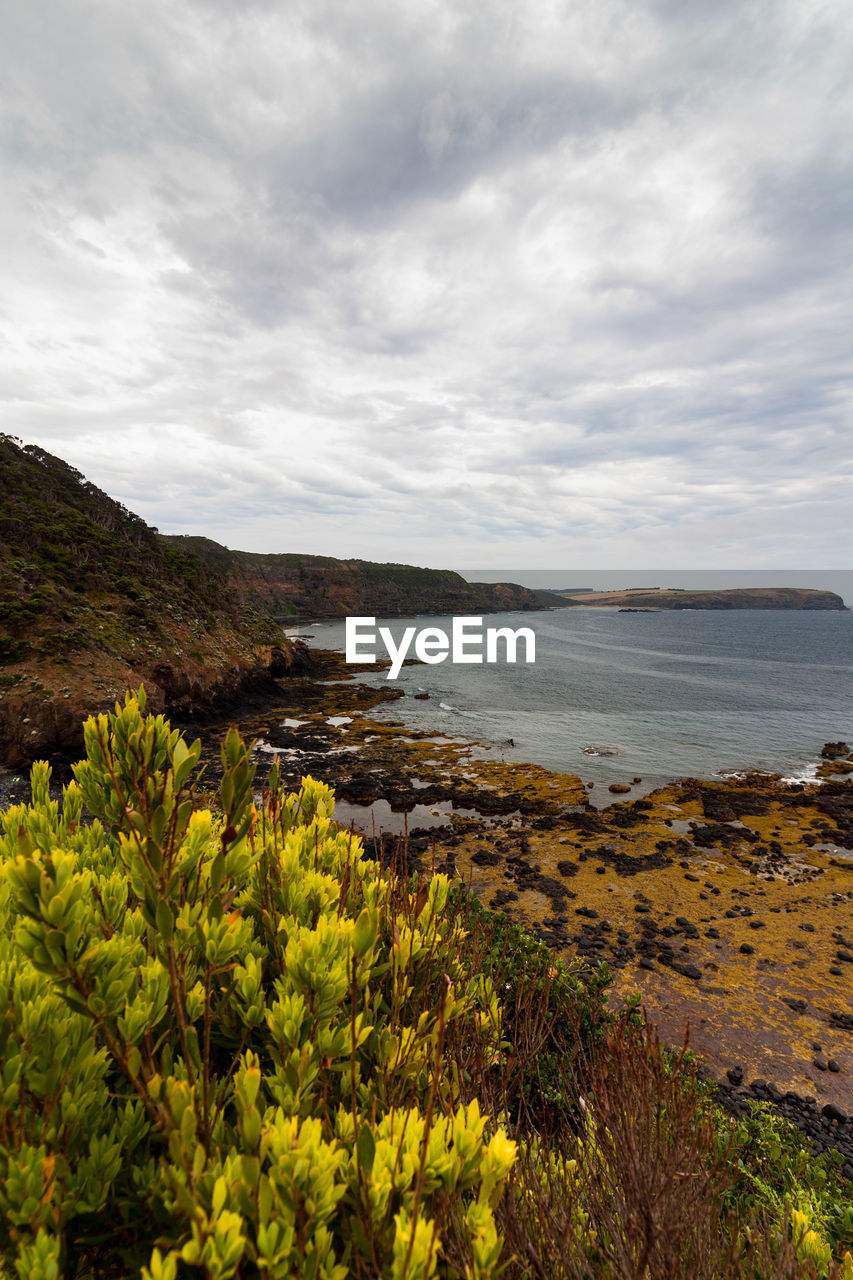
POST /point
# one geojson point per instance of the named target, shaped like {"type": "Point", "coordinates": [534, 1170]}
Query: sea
{"type": "Point", "coordinates": [616, 696]}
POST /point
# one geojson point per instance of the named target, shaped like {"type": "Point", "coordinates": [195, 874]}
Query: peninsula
{"type": "Point", "coordinates": [649, 598]}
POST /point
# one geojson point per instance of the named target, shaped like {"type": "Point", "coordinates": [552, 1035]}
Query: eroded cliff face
{"type": "Point", "coordinates": [322, 587]}
{"type": "Point", "coordinates": [42, 710]}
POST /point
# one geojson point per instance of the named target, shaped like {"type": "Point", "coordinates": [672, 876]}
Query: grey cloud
{"type": "Point", "coordinates": [460, 278]}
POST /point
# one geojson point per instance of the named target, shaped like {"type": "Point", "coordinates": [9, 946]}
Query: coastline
{"type": "Point", "coordinates": [719, 902]}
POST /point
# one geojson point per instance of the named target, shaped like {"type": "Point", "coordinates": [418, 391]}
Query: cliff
{"type": "Point", "coordinates": [738, 598]}
{"type": "Point", "coordinates": [92, 601]}
{"type": "Point", "coordinates": [323, 587]}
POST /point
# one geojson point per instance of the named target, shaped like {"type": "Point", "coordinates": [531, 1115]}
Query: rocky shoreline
{"type": "Point", "coordinates": [727, 905]}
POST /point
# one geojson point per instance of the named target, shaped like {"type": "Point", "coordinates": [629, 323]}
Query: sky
{"type": "Point", "coordinates": [482, 283]}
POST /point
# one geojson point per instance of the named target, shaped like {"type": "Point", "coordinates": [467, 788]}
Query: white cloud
{"type": "Point", "coordinates": [446, 282]}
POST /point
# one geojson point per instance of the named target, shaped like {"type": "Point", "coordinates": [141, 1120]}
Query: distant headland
{"type": "Point", "coordinates": [651, 598]}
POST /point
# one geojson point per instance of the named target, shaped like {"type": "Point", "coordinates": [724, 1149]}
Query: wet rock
{"type": "Point", "coordinates": [719, 834]}
{"type": "Point", "coordinates": [746, 949]}
{"type": "Point", "coordinates": [567, 868]}
{"type": "Point", "coordinates": [486, 858]}
{"type": "Point", "coordinates": [728, 806]}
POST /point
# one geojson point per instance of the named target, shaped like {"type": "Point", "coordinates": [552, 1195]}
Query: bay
{"type": "Point", "coordinates": [656, 695]}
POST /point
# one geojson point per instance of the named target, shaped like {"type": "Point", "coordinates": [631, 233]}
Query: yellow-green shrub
{"type": "Point", "coordinates": [222, 1037]}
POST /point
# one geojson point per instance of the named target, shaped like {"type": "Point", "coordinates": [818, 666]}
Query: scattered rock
{"type": "Point", "coordinates": [486, 858]}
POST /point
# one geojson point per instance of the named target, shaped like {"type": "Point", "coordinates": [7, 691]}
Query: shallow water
{"type": "Point", "coordinates": [686, 693]}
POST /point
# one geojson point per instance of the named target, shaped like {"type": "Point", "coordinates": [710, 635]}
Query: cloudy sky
{"type": "Point", "coordinates": [455, 282]}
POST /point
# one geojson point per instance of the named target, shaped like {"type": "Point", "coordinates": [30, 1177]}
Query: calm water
{"type": "Point", "coordinates": [671, 693]}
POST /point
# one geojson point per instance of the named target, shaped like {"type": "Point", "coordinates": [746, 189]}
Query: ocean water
{"type": "Point", "coordinates": [655, 695]}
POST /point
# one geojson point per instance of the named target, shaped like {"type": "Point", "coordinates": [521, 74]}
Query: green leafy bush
{"type": "Point", "coordinates": [223, 1038]}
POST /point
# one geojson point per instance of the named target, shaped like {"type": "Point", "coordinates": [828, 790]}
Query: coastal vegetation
{"type": "Point", "coordinates": [79, 571]}
{"type": "Point", "coordinates": [92, 600]}
{"type": "Point", "coordinates": [233, 1045]}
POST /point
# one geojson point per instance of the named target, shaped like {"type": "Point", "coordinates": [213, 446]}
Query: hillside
{"type": "Point", "coordinates": [322, 587]}
{"type": "Point", "coordinates": [93, 601]}
{"type": "Point", "coordinates": [739, 598]}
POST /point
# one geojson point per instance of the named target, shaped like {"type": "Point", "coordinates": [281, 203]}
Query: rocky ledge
{"type": "Point", "coordinates": [722, 903]}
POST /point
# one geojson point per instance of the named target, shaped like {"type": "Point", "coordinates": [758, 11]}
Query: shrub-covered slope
{"type": "Point", "coordinates": [91, 600]}
{"type": "Point", "coordinates": [323, 587]}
